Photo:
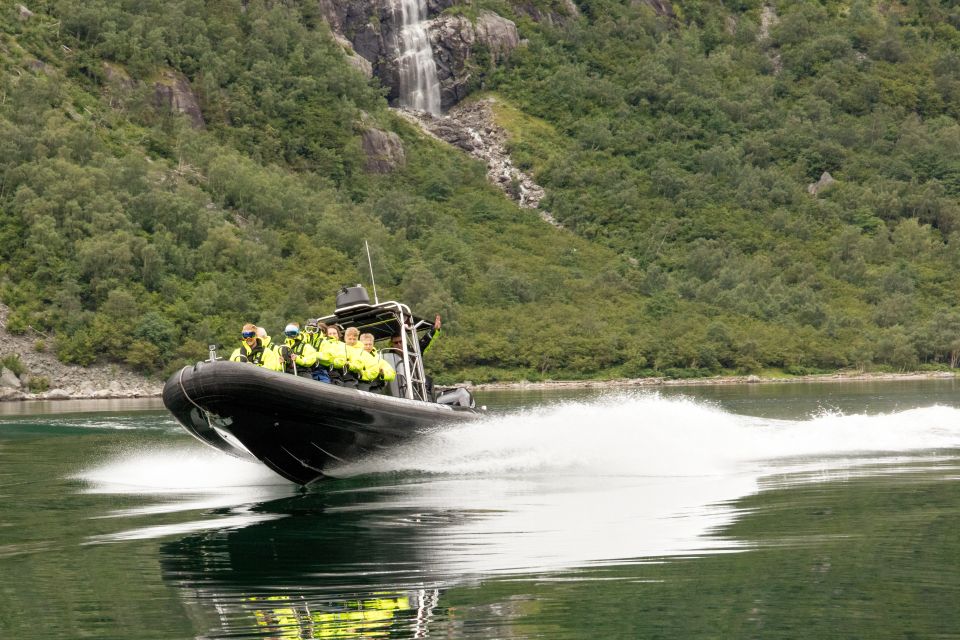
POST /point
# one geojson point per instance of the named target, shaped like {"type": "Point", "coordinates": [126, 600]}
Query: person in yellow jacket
{"type": "Point", "coordinates": [256, 350]}
{"type": "Point", "coordinates": [298, 354]}
{"type": "Point", "coordinates": [376, 370]}
{"type": "Point", "coordinates": [332, 354]}
{"type": "Point", "coordinates": [354, 369]}
{"type": "Point", "coordinates": [315, 333]}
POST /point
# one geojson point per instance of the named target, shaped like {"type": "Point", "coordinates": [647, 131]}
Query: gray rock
{"type": "Point", "coordinates": [497, 33]}
{"type": "Point", "coordinates": [454, 39]}
{"type": "Point", "coordinates": [370, 28]}
{"type": "Point", "coordinates": [6, 393]}
{"type": "Point", "coordinates": [825, 181]}
{"type": "Point", "coordinates": [358, 62]}
{"type": "Point", "coordinates": [9, 380]}
{"type": "Point", "coordinates": [660, 7]}
{"type": "Point", "coordinates": [173, 91]}
{"type": "Point", "coordinates": [56, 394]}
{"type": "Point", "coordinates": [23, 13]}
{"type": "Point", "coordinates": [384, 151]}
{"type": "Point", "coordinates": [117, 76]}
{"type": "Point", "coordinates": [471, 126]}
{"type": "Point", "coordinates": [563, 12]}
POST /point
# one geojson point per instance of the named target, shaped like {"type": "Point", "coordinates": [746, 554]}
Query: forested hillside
{"type": "Point", "coordinates": [676, 148]}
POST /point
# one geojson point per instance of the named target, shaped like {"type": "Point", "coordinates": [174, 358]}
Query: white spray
{"type": "Point", "coordinates": [567, 485]}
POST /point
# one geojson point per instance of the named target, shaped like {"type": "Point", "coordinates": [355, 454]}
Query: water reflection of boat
{"type": "Point", "coordinates": [296, 576]}
{"type": "Point", "coordinates": [296, 617]}
{"type": "Point", "coordinates": [299, 427]}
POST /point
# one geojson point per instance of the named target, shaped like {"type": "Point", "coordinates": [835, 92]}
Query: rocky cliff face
{"type": "Point", "coordinates": [172, 90]}
{"type": "Point", "coordinates": [63, 381]}
{"type": "Point", "coordinates": [461, 47]}
{"type": "Point", "coordinates": [471, 126]}
{"type": "Point", "coordinates": [383, 149]}
{"type": "Point", "coordinates": [559, 13]}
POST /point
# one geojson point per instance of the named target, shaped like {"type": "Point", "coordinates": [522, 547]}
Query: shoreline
{"type": "Point", "coordinates": [626, 383]}
{"type": "Point", "coordinates": [107, 385]}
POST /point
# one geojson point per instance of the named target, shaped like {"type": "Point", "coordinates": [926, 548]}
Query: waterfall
{"type": "Point", "coordinates": [419, 85]}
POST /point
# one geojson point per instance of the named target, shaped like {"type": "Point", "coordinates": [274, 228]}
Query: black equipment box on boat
{"type": "Point", "coordinates": [349, 296]}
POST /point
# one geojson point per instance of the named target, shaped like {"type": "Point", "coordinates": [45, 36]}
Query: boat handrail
{"type": "Point", "coordinates": [407, 323]}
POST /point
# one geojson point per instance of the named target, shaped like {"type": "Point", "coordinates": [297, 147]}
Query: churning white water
{"type": "Point", "coordinates": [648, 435]}
{"type": "Point", "coordinates": [419, 84]}
{"type": "Point", "coordinates": [567, 485]}
{"type": "Point", "coordinates": [626, 479]}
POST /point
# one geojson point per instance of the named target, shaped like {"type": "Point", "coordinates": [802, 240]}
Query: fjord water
{"type": "Point", "coordinates": [787, 511]}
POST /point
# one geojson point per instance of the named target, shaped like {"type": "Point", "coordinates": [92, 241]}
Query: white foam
{"type": "Point", "coordinates": [649, 435]}
{"type": "Point", "coordinates": [177, 469]}
{"type": "Point", "coordinates": [625, 478]}
{"type": "Point", "coordinates": [570, 484]}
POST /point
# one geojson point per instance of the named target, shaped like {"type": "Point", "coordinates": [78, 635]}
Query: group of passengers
{"type": "Point", "coordinates": [318, 352]}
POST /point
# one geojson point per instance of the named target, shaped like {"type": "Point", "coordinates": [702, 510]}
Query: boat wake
{"type": "Point", "coordinates": [649, 435]}
{"type": "Point", "coordinates": [565, 485]}
{"type": "Point", "coordinates": [175, 469]}
{"type": "Point", "coordinates": [595, 483]}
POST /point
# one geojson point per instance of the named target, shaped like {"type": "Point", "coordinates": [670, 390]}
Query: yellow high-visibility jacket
{"type": "Point", "coordinates": [261, 354]}
{"type": "Point", "coordinates": [332, 353]}
{"type": "Point", "coordinates": [306, 355]}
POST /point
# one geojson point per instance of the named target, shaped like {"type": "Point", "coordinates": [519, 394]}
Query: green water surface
{"type": "Point", "coordinates": [839, 550]}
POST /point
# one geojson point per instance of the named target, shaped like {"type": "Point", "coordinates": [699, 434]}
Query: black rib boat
{"type": "Point", "coordinates": [299, 427]}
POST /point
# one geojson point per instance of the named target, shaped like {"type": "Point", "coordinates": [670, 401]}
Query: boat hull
{"type": "Point", "coordinates": [296, 426]}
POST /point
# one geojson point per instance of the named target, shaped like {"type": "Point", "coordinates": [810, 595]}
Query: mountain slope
{"type": "Point", "coordinates": [172, 170]}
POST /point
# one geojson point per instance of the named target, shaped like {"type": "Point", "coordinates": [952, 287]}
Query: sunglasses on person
{"type": "Point", "coordinates": [248, 334]}
{"type": "Point", "coordinates": [310, 329]}
{"type": "Point", "coordinates": [292, 333]}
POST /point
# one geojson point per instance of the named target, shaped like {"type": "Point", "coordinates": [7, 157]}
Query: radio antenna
{"type": "Point", "coordinates": [376, 300]}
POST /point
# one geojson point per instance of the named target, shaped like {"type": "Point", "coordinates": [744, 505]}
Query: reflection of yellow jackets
{"type": "Point", "coordinates": [286, 618]}
{"type": "Point", "coordinates": [332, 353]}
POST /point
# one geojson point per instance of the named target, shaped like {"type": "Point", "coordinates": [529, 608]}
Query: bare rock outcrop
{"type": "Point", "coordinates": [371, 27]}
{"type": "Point", "coordinates": [456, 40]}
{"type": "Point", "coordinates": [558, 14]}
{"type": "Point", "coordinates": [23, 13]}
{"type": "Point", "coordinates": [355, 60]}
{"type": "Point", "coordinates": [66, 381]}
{"type": "Point", "coordinates": [117, 76]}
{"type": "Point", "coordinates": [371, 30]}
{"type": "Point", "coordinates": [384, 151]}
{"type": "Point", "coordinates": [768, 20]}
{"type": "Point", "coordinates": [174, 92]}
{"type": "Point", "coordinates": [471, 127]}
{"type": "Point", "coordinates": [661, 7]}
{"type": "Point", "coordinates": [825, 181]}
